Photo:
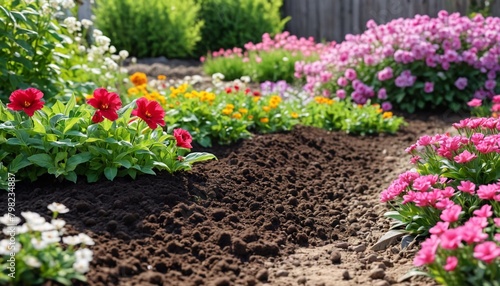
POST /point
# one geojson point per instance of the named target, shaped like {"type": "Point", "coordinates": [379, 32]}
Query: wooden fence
{"type": "Point", "coordinates": [333, 19]}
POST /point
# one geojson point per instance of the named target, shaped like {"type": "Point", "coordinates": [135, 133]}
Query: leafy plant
{"type": "Point", "coordinates": [172, 27]}
{"type": "Point", "coordinates": [230, 23]}
{"type": "Point", "coordinates": [32, 253]}
{"type": "Point", "coordinates": [68, 140]}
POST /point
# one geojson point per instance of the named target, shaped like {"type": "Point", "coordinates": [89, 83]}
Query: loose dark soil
{"type": "Point", "coordinates": [284, 209]}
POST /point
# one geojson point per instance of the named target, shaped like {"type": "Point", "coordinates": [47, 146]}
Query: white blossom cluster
{"type": "Point", "coordinates": [43, 234]}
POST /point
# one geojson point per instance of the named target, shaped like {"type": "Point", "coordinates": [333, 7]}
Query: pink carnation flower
{"type": "Point", "coordinates": [465, 157]}
{"type": "Point", "coordinates": [486, 251]}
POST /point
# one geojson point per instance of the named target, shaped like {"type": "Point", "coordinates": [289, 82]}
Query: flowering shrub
{"type": "Point", "coordinates": [468, 254]}
{"type": "Point", "coordinates": [101, 137]}
{"type": "Point", "coordinates": [454, 175]}
{"type": "Point", "coordinates": [273, 59]}
{"type": "Point", "coordinates": [417, 63]}
{"type": "Point", "coordinates": [35, 251]}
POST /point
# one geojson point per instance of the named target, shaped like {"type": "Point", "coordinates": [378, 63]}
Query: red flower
{"type": "Point", "coordinates": [237, 88]}
{"type": "Point", "coordinates": [256, 93]}
{"type": "Point", "coordinates": [183, 138]}
{"type": "Point", "coordinates": [150, 111]}
{"type": "Point", "coordinates": [247, 90]}
{"type": "Point", "coordinates": [106, 103]}
{"type": "Point", "coordinates": [229, 90]}
{"type": "Point", "coordinates": [28, 100]}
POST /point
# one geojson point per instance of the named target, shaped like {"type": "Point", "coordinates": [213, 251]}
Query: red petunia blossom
{"type": "Point", "coordinates": [229, 90]}
{"type": "Point", "coordinates": [106, 103]}
{"type": "Point", "coordinates": [28, 100]}
{"type": "Point", "coordinates": [150, 111]}
{"type": "Point", "coordinates": [237, 88]}
{"type": "Point", "coordinates": [247, 90]}
{"type": "Point", "coordinates": [183, 138]}
{"type": "Point", "coordinates": [256, 93]}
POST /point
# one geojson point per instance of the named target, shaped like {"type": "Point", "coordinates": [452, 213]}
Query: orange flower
{"type": "Point", "coordinates": [162, 77]}
{"type": "Point", "coordinates": [264, 120]}
{"type": "Point", "coordinates": [139, 78]}
{"type": "Point", "coordinates": [237, 115]}
{"type": "Point", "coordinates": [387, 114]}
{"type": "Point", "coordinates": [266, 108]}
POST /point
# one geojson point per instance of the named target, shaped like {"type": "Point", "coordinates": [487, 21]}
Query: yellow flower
{"type": "Point", "coordinates": [379, 110]}
{"type": "Point", "coordinates": [250, 117]}
{"type": "Point", "coordinates": [237, 115]}
{"type": "Point", "coordinates": [89, 96]}
{"type": "Point", "coordinates": [387, 114]}
{"type": "Point", "coordinates": [189, 95]}
{"type": "Point", "coordinates": [294, 115]}
{"type": "Point", "coordinates": [264, 120]}
{"type": "Point", "coordinates": [266, 108]}
{"type": "Point", "coordinates": [139, 78]}
{"type": "Point", "coordinates": [243, 110]}
{"type": "Point", "coordinates": [323, 100]}
{"type": "Point", "coordinates": [156, 96]}
{"type": "Point", "coordinates": [256, 98]}
{"type": "Point", "coordinates": [227, 111]}
{"type": "Point", "coordinates": [229, 106]}
{"type": "Point", "coordinates": [207, 96]}
{"type": "Point", "coordinates": [143, 88]}
{"type": "Point", "coordinates": [133, 91]}
{"type": "Point", "coordinates": [276, 99]}
{"type": "Point", "coordinates": [162, 77]}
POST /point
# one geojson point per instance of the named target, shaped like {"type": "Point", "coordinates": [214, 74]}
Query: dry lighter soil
{"type": "Point", "coordinates": [297, 208]}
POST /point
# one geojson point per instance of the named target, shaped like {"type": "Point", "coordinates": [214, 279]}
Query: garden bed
{"type": "Point", "coordinates": [277, 208]}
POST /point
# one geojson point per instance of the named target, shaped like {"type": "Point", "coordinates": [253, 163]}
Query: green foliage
{"type": "Point", "coordinates": [63, 141]}
{"type": "Point", "coordinates": [28, 37]}
{"type": "Point", "coordinates": [169, 28]}
{"type": "Point", "coordinates": [233, 23]}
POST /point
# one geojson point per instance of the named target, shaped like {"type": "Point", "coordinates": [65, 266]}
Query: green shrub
{"type": "Point", "coordinates": [169, 28]}
{"type": "Point", "coordinates": [233, 23]}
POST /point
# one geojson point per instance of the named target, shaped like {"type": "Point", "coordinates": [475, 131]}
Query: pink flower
{"type": "Point", "coordinates": [385, 74]}
{"type": "Point", "coordinates": [451, 239]}
{"type": "Point", "coordinates": [444, 204]}
{"type": "Point", "coordinates": [451, 214]}
{"type": "Point", "coordinates": [467, 187]}
{"type": "Point", "coordinates": [382, 94]}
{"type": "Point", "coordinates": [461, 83]}
{"type": "Point", "coordinates": [425, 256]}
{"type": "Point", "coordinates": [465, 157]}
{"type": "Point", "coordinates": [476, 102]}
{"type": "Point", "coordinates": [497, 221]}
{"type": "Point", "coordinates": [386, 106]}
{"type": "Point", "coordinates": [486, 251]}
{"type": "Point", "coordinates": [428, 87]}
{"type": "Point", "coordinates": [451, 263]}
{"type": "Point", "coordinates": [496, 99]}
{"type": "Point", "coordinates": [439, 228]}
{"type": "Point", "coordinates": [487, 192]}
{"type": "Point", "coordinates": [342, 81]}
{"type": "Point", "coordinates": [484, 211]}
{"type": "Point", "coordinates": [350, 74]}
{"type": "Point", "coordinates": [341, 93]}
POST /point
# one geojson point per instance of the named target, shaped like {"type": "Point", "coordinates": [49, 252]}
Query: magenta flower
{"type": "Point", "coordinates": [428, 87]}
{"type": "Point", "coordinates": [451, 239]}
{"type": "Point", "coordinates": [461, 83]}
{"type": "Point", "coordinates": [342, 81]}
{"type": "Point", "coordinates": [487, 251]}
{"type": "Point", "coordinates": [439, 228]}
{"type": "Point", "coordinates": [341, 93]}
{"type": "Point", "coordinates": [488, 192]}
{"type": "Point", "coordinates": [382, 94]}
{"type": "Point", "coordinates": [451, 214]}
{"type": "Point", "coordinates": [490, 84]}
{"type": "Point", "coordinates": [425, 256]}
{"type": "Point", "coordinates": [386, 106]}
{"type": "Point", "coordinates": [465, 157]}
{"type": "Point", "coordinates": [451, 263]}
{"type": "Point", "coordinates": [497, 221]}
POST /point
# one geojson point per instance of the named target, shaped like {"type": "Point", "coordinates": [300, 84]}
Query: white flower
{"type": "Point", "coordinates": [28, 2]}
{"type": "Point", "coordinates": [51, 236]}
{"type": "Point", "coordinates": [115, 57]}
{"type": "Point", "coordinates": [58, 208]}
{"type": "Point", "coordinates": [285, 59]}
{"type": "Point", "coordinates": [84, 254]}
{"type": "Point", "coordinates": [124, 54]}
{"type": "Point", "coordinates": [15, 229]}
{"type": "Point", "coordinates": [7, 247]}
{"type": "Point", "coordinates": [85, 239]}
{"type": "Point", "coordinates": [10, 219]}
{"type": "Point", "coordinates": [72, 240]}
{"type": "Point", "coordinates": [54, 4]}
{"type": "Point", "coordinates": [103, 41]}
{"type": "Point", "coordinates": [86, 23]}
{"type": "Point", "coordinates": [38, 244]}
{"type": "Point", "coordinates": [133, 60]}
{"type": "Point", "coordinates": [46, 9]}
{"type": "Point", "coordinates": [96, 33]}
{"type": "Point", "coordinates": [196, 79]}
{"type": "Point", "coordinates": [32, 262]}
{"type": "Point", "coordinates": [68, 4]}
{"type": "Point", "coordinates": [81, 266]}
{"type": "Point", "coordinates": [218, 76]}
{"type": "Point", "coordinates": [82, 49]}
{"type": "Point", "coordinates": [112, 49]}
{"type": "Point", "coordinates": [246, 79]}
{"type": "Point", "coordinates": [33, 219]}
{"type": "Point", "coordinates": [58, 223]}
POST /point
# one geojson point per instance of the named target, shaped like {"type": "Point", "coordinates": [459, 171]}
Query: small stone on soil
{"type": "Point", "coordinates": [336, 257]}
{"type": "Point", "coordinates": [342, 245]}
{"type": "Point", "coordinates": [381, 283]}
{"type": "Point", "coordinates": [282, 273]}
{"type": "Point", "coordinates": [302, 280]}
{"type": "Point", "coordinates": [359, 248]}
{"type": "Point", "coordinates": [377, 273]}
{"type": "Point", "coordinates": [262, 275]}
{"type": "Point", "coordinates": [346, 275]}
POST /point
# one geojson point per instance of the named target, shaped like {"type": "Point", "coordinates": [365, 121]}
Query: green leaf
{"type": "Point", "coordinates": [125, 163]}
{"type": "Point", "coordinates": [71, 176]}
{"type": "Point", "coordinates": [70, 123]}
{"type": "Point", "coordinates": [77, 159]}
{"type": "Point", "coordinates": [92, 176]}
{"type": "Point", "coordinates": [110, 172]}
{"type": "Point", "coordinates": [199, 157]}
{"type": "Point", "coordinates": [18, 163]}
{"type": "Point", "coordinates": [70, 105]}
{"type": "Point", "coordinates": [42, 160]}
{"type": "Point", "coordinates": [38, 126]}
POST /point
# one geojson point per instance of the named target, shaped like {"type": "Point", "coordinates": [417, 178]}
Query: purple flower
{"type": "Point", "coordinates": [429, 87]}
{"type": "Point", "coordinates": [382, 94]}
{"type": "Point", "coordinates": [386, 106]}
{"type": "Point", "coordinates": [461, 83]}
